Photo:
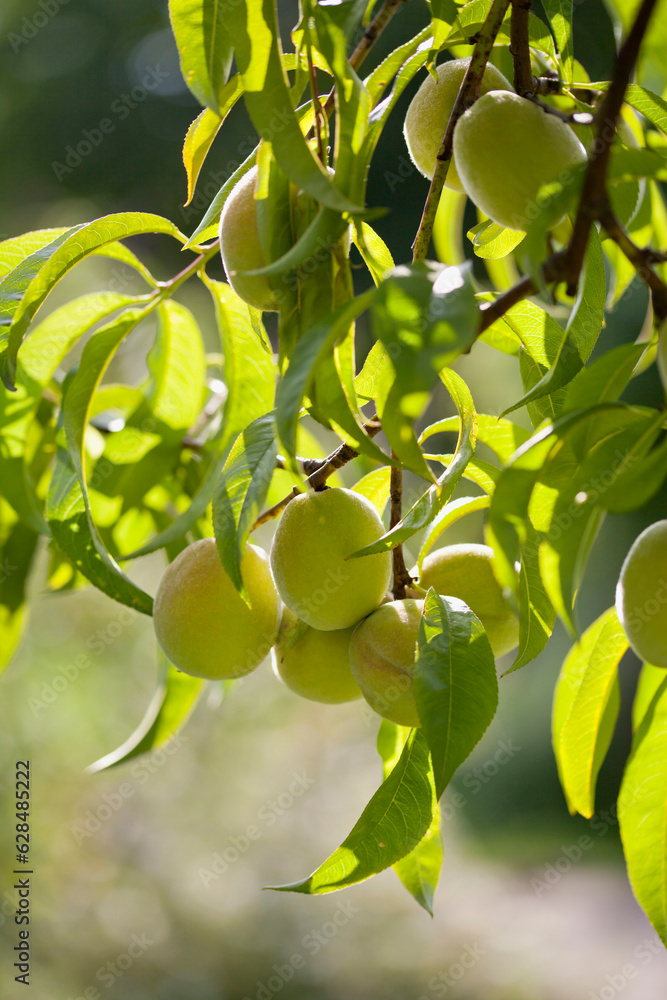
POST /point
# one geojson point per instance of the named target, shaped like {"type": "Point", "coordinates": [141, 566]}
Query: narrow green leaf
{"type": "Point", "coordinates": [374, 251]}
{"type": "Point", "coordinates": [508, 515]}
{"type": "Point", "coordinates": [18, 544]}
{"type": "Point", "coordinates": [425, 316]}
{"type": "Point", "coordinates": [642, 813]}
{"type": "Point", "coordinates": [70, 527]}
{"type": "Point", "coordinates": [493, 242]}
{"type": "Point", "coordinates": [429, 505]}
{"type": "Point", "coordinates": [250, 374]}
{"type": "Point", "coordinates": [254, 30]}
{"type": "Point", "coordinates": [375, 487]}
{"type": "Point", "coordinates": [650, 679]}
{"type": "Point", "coordinates": [452, 512]}
{"type": "Point", "coordinates": [40, 355]}
{"type": "Point", "coordinates": [419, 870]}
{"type": "Point", "coordinates": [309, 352]}
{"type": "Point", "coordinates": [205, 48]}
{"type": "Point", "coordinates": [583, 328]}
{"type": "Point", "coordinates": [448, 226]}
{"type": "Point", "coordinates": [501, 435]}
{"type": "Point", "coordinates": [177, 364]}
{"type": "Point", "coordinates": [604, 379]}
{"type": "Point", "coordinates": [581, 481]}
{"type": "Point", "coordinates": [241, 492]}
{"type": "Point", "coordinates": [586, 706]}
{"type": "Point", "coordinates": [537, 615]}
{"type": "Point", "coordinates": [175, 697]}
{"type": "Point", "coordinates": [455, 683]}
{"type": "Point", "coordinates": [249, 369]}
{"type": "Point", "coordinates": [395, 820]}
{"type": "Point", "coordinates": [73, 247]}
{"type": "Point", "coordinates": [208, 227]}
{"type": "Point", "coordinates": [559, 13]}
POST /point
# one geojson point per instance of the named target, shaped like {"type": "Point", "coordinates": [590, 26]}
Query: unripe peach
{"type": "Point", "coordinates": [203, 625]}
{"type": "Point", "coordinates": [429, 111]}
{"type": "Point", "coordinates": [465, 571]}
{"type": "Point", "coordinates": [505, 148]}
{"type": "Point", "coordinates": [314, 664]}
{"type": "Point", "coordinates": [240, 245]}
{"type": "Point", "coordinates": [315, 535]}
{"type": "Point", "coordinates": [641, 595]}
{"type": "Point", "coordinates": [383, 655]}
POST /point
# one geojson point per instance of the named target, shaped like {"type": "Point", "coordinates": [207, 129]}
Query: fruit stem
{"type": "Point", "coordinates": [467, 96]}
{"type": "Point", "coordinates": [524, 81]}
{"type": "Point", "coordinates": [317, 479]}
{"type": "Point", "coordinates": [402, 578]}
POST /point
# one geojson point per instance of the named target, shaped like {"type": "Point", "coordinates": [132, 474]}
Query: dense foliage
{"type": "Point", "coordinates": [212, 444]}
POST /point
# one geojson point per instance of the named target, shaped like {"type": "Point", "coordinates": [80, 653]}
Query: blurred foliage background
{"type": "Point", "coordinates": [157, 857]}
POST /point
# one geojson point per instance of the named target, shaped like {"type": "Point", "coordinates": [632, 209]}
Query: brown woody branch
{"type": "Point", "coordinates": [594, 192]}
{"type": "Point", "coordinates": [524, 81]}
{"type": "Point", "coordinates": [317, 480]}
{"type": "Point", "coordinates": [402, 578]}
{"type": "Point", "coordinates": [641, 258]}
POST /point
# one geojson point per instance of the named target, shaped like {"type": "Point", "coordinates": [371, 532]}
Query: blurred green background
{"type": "Point", "coordinates": [130, 896]}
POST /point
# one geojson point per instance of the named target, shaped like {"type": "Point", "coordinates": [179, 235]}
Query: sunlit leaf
{"type": "Point", "coordinates": [586, 707]}
{"type": "Point", "coordinates": [395, 820]}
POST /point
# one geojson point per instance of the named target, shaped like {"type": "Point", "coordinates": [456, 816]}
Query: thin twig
{"type": "Point", "coordinates": [317, 480]}
{"type": "Point", "coordinates": [641, 258]}
{"type": "Point", "coordinates": [402, 578]}
{"type": "Point", "coordinates": [570, 118]}
{"type": "Point", "coordinates": [524, 81]}
{"type": "Point", "coordinates": [467, 95]}
{"type": "Point", "coordinates": [593, 195]}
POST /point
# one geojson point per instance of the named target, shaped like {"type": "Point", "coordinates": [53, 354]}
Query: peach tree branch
{"type": "Point", "coordinates": [524, 81]}
{"type": "Point", "coordinates": [317, 480]}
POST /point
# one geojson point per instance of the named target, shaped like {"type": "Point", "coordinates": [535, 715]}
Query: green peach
{"type": "Point", "coordinates": [315, 535]}
{"type": "Point", "coordinates": [505, 148]}
{"type": "Point", "coordinates": [382, 656]}
{"type": "Point", "coordinates": [203, 625]}
{"type": "Point", "coordinates": [315, 664]}
{"type": "Point", "coordinates": [641, 595]}
{"type": "Point", "coordinates": [429, 111]}
{"type": "Point", "coordinates": [465, 571]}
{"type": "Point", "coordinates": [240, 245]}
